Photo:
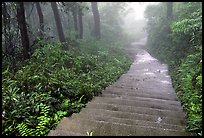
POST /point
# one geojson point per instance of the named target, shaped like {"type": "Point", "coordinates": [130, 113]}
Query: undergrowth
{"type": "Point", "coordinates": [178, 42]}
{"type": "Point", "coordinates": [56, 83]}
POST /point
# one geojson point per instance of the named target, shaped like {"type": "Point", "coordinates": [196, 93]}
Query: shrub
{"type": "Point", "coordinates": [55, 83]}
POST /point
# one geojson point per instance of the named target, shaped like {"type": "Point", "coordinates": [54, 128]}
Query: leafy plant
{"type": "Point", "coordinates": [55, 83]}
{"type": "Point", "coordinates": [178, 42]}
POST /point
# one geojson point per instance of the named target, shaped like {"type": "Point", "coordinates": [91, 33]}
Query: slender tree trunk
{"type": "Point", "coordinates": [74, 14]}
{"type": "Point", "coordinates": [96, 20]}
{"type": "Point", "coordinates": [68, 21]}
{"type": "Point", "coordinates": [58, 22]}
{"type": "Point", "coordinates": [23, 30]}
{"type": "Point", "coordinates": [5, 24]}
{"type": "Point", "coordinates": [169, 10]}
{"type": "Point", "coordinates": [34, 18]}
{"type": "Point", "coordinates": [80, 24]}
{"type": "Point", "coordinates": [40, 14]}
{"type": "Point", "coordinates": [63, 20]}
{"type": "Point", "coordinates": [28, 10]}
{"type": "Point", "coordinates": [169, 15]}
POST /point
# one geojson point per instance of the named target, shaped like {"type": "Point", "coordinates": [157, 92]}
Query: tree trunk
{"type": "Point", "coordinates": [58, 22]}
{"type": "Point", "coordinates": [64, 22]}
{"type": "Point", "coordinates": [96, 20]}
{"type": "Point", "coordinates": [80, 24]}
{"type": "Point", "coordinates": [40, 14]}
{"type": "Point", "coordinates": [23, 30]}
{"type": "Point", "coordinates": [74, 14]}
{"type": "Point", "coordinates": [68, 21]}
{"type": "Point", "coordinates": [169, 10]}
{"type": "Point", "coordinates": [5, 19]}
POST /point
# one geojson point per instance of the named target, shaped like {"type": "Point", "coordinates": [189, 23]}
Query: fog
{"type": "Point", "coordinates": [131, 58]}
{"type": "Point", "coordinates": [134, 21]}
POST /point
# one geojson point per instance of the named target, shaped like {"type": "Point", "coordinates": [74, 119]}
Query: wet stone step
{"type": "Point", "coordinates": [103, 128]}
{"type": "Point", "coordinates": [139, 110]}
{"type": "Point", "coordinates": [131, 122]}
{"type": "Point", "coordinates": [133, 116]}
{"type": "Point", "coordinates": [141, 89]}
{"type": "Point", "coordinates": [64, 133]}
{"type": "Point", "coordinates": [126, 97]}
{"type": "Point", "coordinates": [134, 94]}
{"type": "Point", "coordinates": [150, 104]}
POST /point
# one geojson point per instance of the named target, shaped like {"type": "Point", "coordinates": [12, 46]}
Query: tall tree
{"type": "Point", "coordinates": [40, 14]}
{"type": "Point", "coordinates": [80, 23]}
{"type": "Point", "coordinates": [5, 26]}
{"type": "Point", "coordinates": [58, 22]}
{"type": "Point", "coordinates": [74, 14]}
{"type": "Point", "coordinates": [96, 20]}
{"type": "Point", "coordinates": [29, 11]}
{"type": "Point", "coordinates": [23, 30]}
{"type": "Point", "coordinates": [169, 10]}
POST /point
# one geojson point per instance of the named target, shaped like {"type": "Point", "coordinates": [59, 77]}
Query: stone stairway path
{"type": "Point", "coordinates": [141, 103]}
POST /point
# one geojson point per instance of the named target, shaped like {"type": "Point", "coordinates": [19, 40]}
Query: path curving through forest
{"type": "Point", "coordinates": [142, 102]}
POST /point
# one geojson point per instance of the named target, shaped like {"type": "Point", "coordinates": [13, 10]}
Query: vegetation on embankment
{"type": "Point", "coordinates": [55, 83]}
{"type": "Point", "coordinates": [177, 41]}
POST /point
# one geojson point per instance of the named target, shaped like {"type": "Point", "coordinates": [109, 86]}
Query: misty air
{"type": "Point", "coordinates": [101, 68]}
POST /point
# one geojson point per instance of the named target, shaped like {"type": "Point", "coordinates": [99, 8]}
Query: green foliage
{"type": "Point", "coordinates": [55, 83]}
{"type": "Point", "coordinates": [188, 83]}
{"type": "Point", "coordinates": [25, 128]}
{"type": "Point", "coordinates": [178, 42]}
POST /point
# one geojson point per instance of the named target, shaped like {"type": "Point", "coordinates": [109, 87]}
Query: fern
{"type": "Point", "coordinates": [41, 129]}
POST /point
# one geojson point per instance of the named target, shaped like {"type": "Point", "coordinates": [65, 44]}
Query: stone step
{"type": "Point", "coordinates": [63, 133]}
{"type": "Point", "coordinates": [126, 97]}
{"type": "Point", "coordinates": [139, 110]}
{"type": "Point", "coordinates": [164, 84]}
{"type": "Point", "coordinates": [148, 104]}
{"type": "Point", "coordinates": [103, 128]}
{"type": "Point", "coordinates": [142, 89]}
{"type": "Point", "coordinates": [134, 116]}
{"type": "Point", "coordinates": [139, 74]}
{"type": "Point", "coordinates": [164, 88]}
{"type": "Point", "coordinates": [141, 78]}
{"type": "Point", "coordinates": [130, 121]}
{"type": "Point", "coordinates": [135, 81]}
{"type": "Point", "coordinates": [141, 94]}
{"type": "Point", "coordinates": [78, 125]}
{"type": "Point", "coordinates": [134, 85]}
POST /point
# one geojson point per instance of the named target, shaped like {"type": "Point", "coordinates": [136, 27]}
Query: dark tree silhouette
{"type": "Point", "coordinates": [58, 21]}
{"type": "Point", "coordinates": [169, 10]}
{"type": "Point", "coordinates": [74, 14]}
{"type": "Point", "coordinates": [96, 20]}
{"type": "Point", "coordinates": [40, 14]}
{"type": "Point", "coordinates": [80, 23]}
{"type": "Point", "coordinates": [23, 30]}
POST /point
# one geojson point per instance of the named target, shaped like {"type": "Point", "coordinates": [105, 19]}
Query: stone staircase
{"type": "Point", "coordinates": [141, 103]}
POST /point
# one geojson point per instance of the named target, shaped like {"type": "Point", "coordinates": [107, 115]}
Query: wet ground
{"type": "Point", "coordinates": [147, 70]}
